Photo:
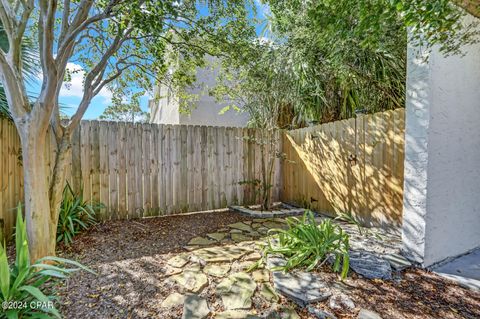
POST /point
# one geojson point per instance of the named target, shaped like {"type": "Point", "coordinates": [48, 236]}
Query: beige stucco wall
{"type": "Point", "coordinates": [205, 111]}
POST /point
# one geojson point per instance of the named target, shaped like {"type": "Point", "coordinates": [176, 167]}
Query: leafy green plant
{"type": "Point", "coordinates": [76, 215]}
{"type": "Point", "coordinates": [24, 286]}
{"type": "Point", "coordinates": [306, 244]}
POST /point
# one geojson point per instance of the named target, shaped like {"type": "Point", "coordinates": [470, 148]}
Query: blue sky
{"type": "Point", "coordinates": [71, 95]}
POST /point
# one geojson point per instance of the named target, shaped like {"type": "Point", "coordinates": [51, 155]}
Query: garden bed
{"type": "Point", "coordinates": [144, 271]}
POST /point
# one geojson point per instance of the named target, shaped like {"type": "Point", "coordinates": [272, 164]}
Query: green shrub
{"type": "Point", "coordinates": [76, 215]}
{"type": "Point", "coordinates": [306, 244]}
{"type": "Point", "coordinates": [23, 285]}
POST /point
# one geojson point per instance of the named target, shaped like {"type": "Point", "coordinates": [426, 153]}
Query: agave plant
{"type": "Point", "coordinates": [24, 286]}
{"type": "Point", "coordinates": [306, 244]}
{"type": "Point", "coordinates": [76, 215]}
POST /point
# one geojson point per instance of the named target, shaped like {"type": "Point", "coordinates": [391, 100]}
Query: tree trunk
{"type": "Point", "coordinates": [43, 190]}
{"type": "Point", "coordinates": [36, 188]}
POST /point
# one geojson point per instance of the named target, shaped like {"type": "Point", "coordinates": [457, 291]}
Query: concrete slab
{"type": "Point", "coordinates": [465, 270]}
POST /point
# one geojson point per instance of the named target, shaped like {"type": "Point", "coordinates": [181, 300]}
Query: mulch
{"type": "Point", "coordinates": [129, 256]}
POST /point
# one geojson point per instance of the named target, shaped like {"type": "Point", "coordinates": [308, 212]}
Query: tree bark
{"type": "Point", "coordinates": [36, 188]}
{"type": "Point", "coordinates": [43, 188]}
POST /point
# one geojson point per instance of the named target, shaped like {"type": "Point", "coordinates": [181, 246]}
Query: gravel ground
{"type": "Point", "coordinates": [130, 260]}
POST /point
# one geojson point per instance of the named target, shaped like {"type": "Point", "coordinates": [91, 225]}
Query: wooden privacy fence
{"type": "Point", "coordinates": [350, 166]}
{"type": "Point", "coordinates": [140, 170]}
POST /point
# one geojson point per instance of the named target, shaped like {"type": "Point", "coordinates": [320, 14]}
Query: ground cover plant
{"type": "Point", "coordinates": [308, 244]}
{"type": "Point", "coordinates": [26, 289]}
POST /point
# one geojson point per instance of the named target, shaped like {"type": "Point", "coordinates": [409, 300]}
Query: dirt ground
{"type": "Point", "coordinates": [130, 257]}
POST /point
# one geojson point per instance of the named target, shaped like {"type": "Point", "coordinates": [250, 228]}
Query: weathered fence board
{"type": "Point", "coordinates": [319, 170]}
{"type": "Point", "coordinates": [140, 170]}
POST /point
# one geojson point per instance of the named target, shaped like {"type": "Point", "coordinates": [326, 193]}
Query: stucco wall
{"type": "Point", "coordinates": [442, 167]}
{"type": "Point", "coordinates": [205, 111]}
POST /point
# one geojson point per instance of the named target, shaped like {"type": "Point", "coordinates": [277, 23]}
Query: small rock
{"type": "Point", "coordinates": [217, 270]}
{"type": "Point", "coordinates": [195, 307]}
{"type": "Point", "coordinates": [320, 314]}
{"type": "Point", "coordinates": [256, 225]}
{"type": "Point", "coordinates": [200, 241]}
{"type": "Point", "coordinates": [236, 291]}
{"type": "Point", "coordinates": [217, 236]}
{"type": "Point", "coordinates": [369, 265]}
{"type": "Point", "coordinates": [236, 231]}
{"type": "Point", "coordinates": [173, 300]}
{"type": "Point", "coordinates": [341, 302]}
{"type": "Point", "coordinates": [368, 314]}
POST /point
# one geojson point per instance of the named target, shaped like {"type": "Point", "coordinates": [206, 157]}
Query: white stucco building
{"type": "Point", "coordinates": [441, 215]}
{"type": "Point", "coordinates": [205, 111]}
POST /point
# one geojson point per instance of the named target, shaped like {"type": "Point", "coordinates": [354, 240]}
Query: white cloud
{"type": "Point", "coordinates": [74, 88]}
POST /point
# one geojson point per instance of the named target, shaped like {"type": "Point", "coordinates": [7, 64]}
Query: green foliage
{"type": "Point", "coordinates": [326, 59]}
{"type": "Point", "coordinates": [125, 111]}
{"type": "Point", "coordinates": [306, 244]}
{"type": "Point", "coordinates": [76, 215]}
{"type": "Point", "coordinates": [439, 23]}
{"type": "Point", "coordinates": [24, 283]}
{"type": "Point", "coordinates": [167, 41]}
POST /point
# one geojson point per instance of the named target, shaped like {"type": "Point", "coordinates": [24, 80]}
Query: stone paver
{"type": "Point", "coordinates": [241, 237]}
{"type": "Point", "coordinates": [201, 241]}
{"type": "Point", "coordinates": [222, 254]}
{"type": "Point", "coordinates": [217, 236]}
{"type": "Point", "coordinates": [173, 300]}
{"type": "Point", "coordinates": [241, 226]}
{"type": "Point", "coordinates": [195, 307]}
{"type": "Point", "coordinates": [261, 275]}
{"type": "Point", "coordinates": [253, 256]}
{"type": "Point", "coordinates": [301, 287]}
{"type": "Point", "coordinates": [178, 261]}
{"type": "Point", "coordinates": [217, 270]}
{"type": "Point", "coordinates": [236, 288]}
{"type": "Point", "coordinates": [370, 266]}
{"type": "Point", "coordinates": [268, 293]}
{"type": "Point", "coordinates": [236, 291]}
{"type": "Point", "coordinates": [191, 279]}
